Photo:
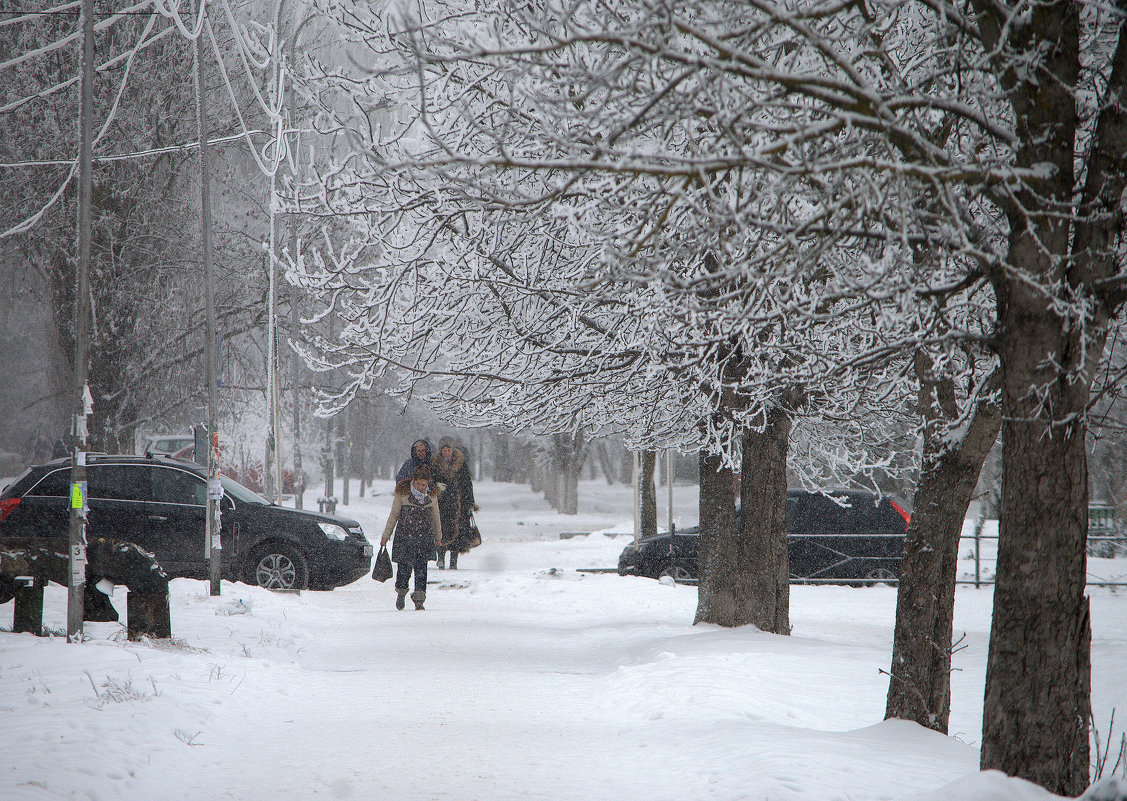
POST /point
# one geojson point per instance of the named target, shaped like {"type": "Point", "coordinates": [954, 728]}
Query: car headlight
{"type": "Point", "coordinates": [333, 531]}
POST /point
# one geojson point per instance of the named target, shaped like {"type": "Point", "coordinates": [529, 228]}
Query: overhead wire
{"type": "Point", "coordinates": [26, 16]}
{"type": "Point", "coordinates": [28, 222]}
{"type": "Point", "coordinates": [274, 152]}
{"type": "Point", "coordinates": [61, 43]}
{"type": "Point", "coordinates": [137, 154]}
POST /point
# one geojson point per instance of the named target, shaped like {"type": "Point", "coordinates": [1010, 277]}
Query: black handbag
{"type": "Point", "coordinates": [382, 569]}
{"type": "Point", "coordinates": [472, 534]}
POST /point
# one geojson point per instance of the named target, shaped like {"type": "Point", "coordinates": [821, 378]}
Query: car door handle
{"type": "Point", "coordinates": [160, 518]}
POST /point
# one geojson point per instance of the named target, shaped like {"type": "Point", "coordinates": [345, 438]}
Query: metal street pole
{"type": "Point", "coordinates": [636, 476]}
{"type": "Point", "coordinates": [76, 583]}
{"type": "Point", "coordinates": [346, 468]}
{"type": "Point", "coordinates": [298, 474]}
{"type": "Point", "coordinates": [212, 543]}
{"type": "Point", "coordinates": [669, 483]}
{"type": "Point", "coordinates": [272, 326]}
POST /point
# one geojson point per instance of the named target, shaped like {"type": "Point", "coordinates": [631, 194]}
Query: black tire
{"type": "Point", "coordinates": [881, 575]}
{"type": "Point", "coordinates": [278, 566]}
{"type": "Point", "coordinates": [677, 573]}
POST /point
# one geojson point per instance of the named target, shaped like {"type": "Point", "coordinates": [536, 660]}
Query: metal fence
{"type": "Point", "coordinates": [1107, 540]}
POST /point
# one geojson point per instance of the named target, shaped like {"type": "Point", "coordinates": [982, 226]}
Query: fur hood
{"type": "Point", "coordinates": [442, 470]}
{"type": "Point", "coordinates": [404, 488]}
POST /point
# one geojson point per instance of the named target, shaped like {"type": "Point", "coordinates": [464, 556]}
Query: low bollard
{"type": "Point", "coordinates": [28, 613]}
{"type": "Point", "coordinates": [147, 615]}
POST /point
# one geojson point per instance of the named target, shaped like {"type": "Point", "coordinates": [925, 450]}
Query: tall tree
{"type": "Point", "coordinates": [920, 676]}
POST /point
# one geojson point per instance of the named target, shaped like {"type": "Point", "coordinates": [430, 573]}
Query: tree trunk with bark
{"type": "Point", "coordinates": [1038, 674]}
{"type": "Point", "coordinates": [568, 454]}
{"type": "Point", "coordinates": [744, 569]}
{"type": "Point", "coordinates": [718, 534]}
{"type": "Point", "coordinates": [919, 687]}
{"type": "Point", "coordinates": [647, 494]}
{"type": "Point", "coordinates": [606, 463]}
{"type": "Point", "coordinates": [763, 531]}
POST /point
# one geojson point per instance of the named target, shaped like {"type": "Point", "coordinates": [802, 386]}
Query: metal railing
{"type": "Point", "coordinates": [1106, 540]}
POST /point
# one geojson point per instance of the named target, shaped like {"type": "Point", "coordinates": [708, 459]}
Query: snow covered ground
{"type": "Point", "coordinates": [523, 679]}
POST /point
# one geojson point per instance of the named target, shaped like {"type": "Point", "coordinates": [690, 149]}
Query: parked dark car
{"type": "Point", "coordinates": [857, 538]}
{"type": "Point", "coordinates": [159, 503]}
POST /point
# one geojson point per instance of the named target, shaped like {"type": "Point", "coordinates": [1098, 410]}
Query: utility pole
{"type": "Point", "coordinates": [636, 473]}
{"type": "Point", "coordinates": [76, 583]}
{"type": "Point", "coordinates": [298, 472]}
{"type": "Point", "coordinates": [213, 546]}
{"type": "Point", "coordinates": [669, 483]}
{"type": "Point", "coordinates": [274, 465]}
{"type": "Point", "coordinates": [346, 467]}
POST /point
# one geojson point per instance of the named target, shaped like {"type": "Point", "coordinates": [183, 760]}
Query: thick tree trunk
{"type": "Point", "coordinates": [744, 570]}
{"type": "Point", "coordinates": [503, 469]}
{"type": "Point", "coordinates": [1038, 675]}
{"type": "Point", "coordinates": [606, 463]}
{"type": "Point", "coordinates": [718, 533]}
{"type": "Point", "coordinates": [763, 530]}
{"type": "Point", "coordinates": [919, 688]}
{"type": "Point", "coordinates": [648, 494]}
{"type": "Point", "coordinates": [569, 453]}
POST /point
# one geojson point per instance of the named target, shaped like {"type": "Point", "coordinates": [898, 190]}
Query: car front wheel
{"type": "Point", "coordinates": [279, 567]}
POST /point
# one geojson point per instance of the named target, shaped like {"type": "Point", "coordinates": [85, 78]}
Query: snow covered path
{"type": "Point", "coordinates": [524, 679]}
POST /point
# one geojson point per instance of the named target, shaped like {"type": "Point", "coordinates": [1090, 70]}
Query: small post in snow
{"type": "Point", "coordinates": [637, 500]}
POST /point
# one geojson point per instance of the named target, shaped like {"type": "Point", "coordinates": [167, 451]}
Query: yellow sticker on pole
{"type": "Point", "coordinates": [78, 495]}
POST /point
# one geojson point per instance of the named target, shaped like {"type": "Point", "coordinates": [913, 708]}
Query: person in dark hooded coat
{"type": "Point", "coordinates": [456, 503]}
{"type": "Point", "coordinates": [417, 526]}
{"type": "Point", "coordinates": [420, 454]}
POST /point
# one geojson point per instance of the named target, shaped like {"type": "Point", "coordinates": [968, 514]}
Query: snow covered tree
{"type": "Point", "coordinates": [136, 227]}
{"type": "Point", "coordinates": [551, 299]}
{"type": "Point", "coordinates": [147, 350]}
{"type": "Point", "coordinates": [727, 152]}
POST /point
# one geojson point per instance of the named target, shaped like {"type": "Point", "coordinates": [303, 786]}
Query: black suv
{"type": "Point", "coordinates": [159, 503]}
{"type": "Point", "coordinates": [857, 538]}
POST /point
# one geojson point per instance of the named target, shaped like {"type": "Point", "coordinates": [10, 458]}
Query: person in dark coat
{"type": "Point", "coordinates": [420, 455]}
{"type": "Point", "coordinates": [417, 526]}
{"type": "Point", "coordinates": [456, 503]}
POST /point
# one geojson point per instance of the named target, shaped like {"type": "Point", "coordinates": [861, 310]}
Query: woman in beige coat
{"type": "Point", "coordinates": [415, 521]}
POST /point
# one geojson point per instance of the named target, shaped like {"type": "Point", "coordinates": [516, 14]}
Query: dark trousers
{"type": "Point", "coordinates": [419, 566]}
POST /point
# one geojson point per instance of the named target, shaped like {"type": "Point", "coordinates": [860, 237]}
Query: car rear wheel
{"type": "Point", "coordinates": [279, 567]}
{"type": "Point", "coordinates": [677, 573]}
{"type": "Point", "coordinates": [881, 575]}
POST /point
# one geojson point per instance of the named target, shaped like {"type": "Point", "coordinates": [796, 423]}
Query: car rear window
{"type": "Point", "coordinates": [813, 513]}
{"type": "Point", "coordinates": [55, 484]}
{"type": "Point", "coordinates": [177, 486]}
{"type": "Point", "coordinates": [119, 482]}
{"type": "Point", "coordinates": [16, 486]}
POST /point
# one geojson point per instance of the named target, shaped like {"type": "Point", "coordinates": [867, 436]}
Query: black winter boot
{"type": "Point", "coordinates": [400, 598]}
{"type": "Point", "coordinates": [453, 560]}
{"type": "Point", "coordinates": [418, 598]}
{"type": "Point", "coordinates": [441, 560]}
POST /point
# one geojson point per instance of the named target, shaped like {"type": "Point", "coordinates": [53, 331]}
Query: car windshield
{"type": "Point", "coordinates": [241, 493]}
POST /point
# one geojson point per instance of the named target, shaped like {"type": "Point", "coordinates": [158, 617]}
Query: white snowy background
{"type": "Point", "coordinates": [523, 679]}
